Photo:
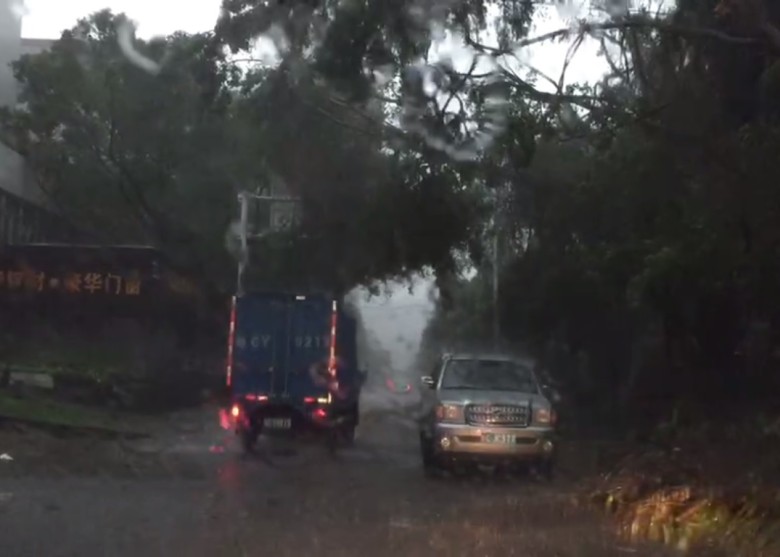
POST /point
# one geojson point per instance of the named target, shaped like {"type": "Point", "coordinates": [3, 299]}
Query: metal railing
{"type": "Point", "coordinates": [23, 222]}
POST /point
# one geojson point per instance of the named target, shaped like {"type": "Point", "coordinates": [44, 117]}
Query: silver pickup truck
{"type": "Point", "coordinates": [486, 409]}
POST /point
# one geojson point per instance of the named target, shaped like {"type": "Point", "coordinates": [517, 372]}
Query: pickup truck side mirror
{"type": "Point", "coordinates": [429, 382]}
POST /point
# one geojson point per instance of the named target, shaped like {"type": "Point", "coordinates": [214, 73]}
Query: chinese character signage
{"type": "Point", "coordinates": [87, 283]}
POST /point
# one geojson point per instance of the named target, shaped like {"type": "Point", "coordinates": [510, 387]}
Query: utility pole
{"type": "Point", "coordinates": [496, 322]}
{"type": "Point", "coordinates": [497, 226]}
{"type": "Point", "coordinates": [283, 213]}
{"type": "Point", "coordinates": [243, 257]}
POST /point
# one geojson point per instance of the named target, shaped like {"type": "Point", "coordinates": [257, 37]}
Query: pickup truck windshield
{"type": "Point", "coordinates": [488, 375]}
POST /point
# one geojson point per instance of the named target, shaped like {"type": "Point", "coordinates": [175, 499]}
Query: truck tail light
{"type": "Point", "coordinates": [320, 414]}
{"type": "Point", "coordinates": [231, 340]}
{"type": "Point", "coordinates": [332, 349]}
{"type": "Point", "coordinates": [225, 421]}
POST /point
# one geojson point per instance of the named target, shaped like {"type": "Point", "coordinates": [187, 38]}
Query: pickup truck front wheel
{"type": "Point", "coordinates": [546, 469]}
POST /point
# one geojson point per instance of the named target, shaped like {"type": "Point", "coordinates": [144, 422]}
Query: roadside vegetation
{"type": "Point", "coordinates": [50, 412]}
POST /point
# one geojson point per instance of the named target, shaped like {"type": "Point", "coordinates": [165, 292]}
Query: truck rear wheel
{"type": "Point", "coordinates": [248, 436]}
{"type": "Point", "coordinates": [432, 466]}
{"type": "Point", "coordinates": [248, 440]}
{"type": "Point", "coordinates": [348, 435]}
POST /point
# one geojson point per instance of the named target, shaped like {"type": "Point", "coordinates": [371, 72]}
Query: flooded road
{"type": "Point", "coordinates": [189, 492]}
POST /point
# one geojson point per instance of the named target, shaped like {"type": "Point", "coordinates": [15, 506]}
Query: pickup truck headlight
{"type": "Point", "coordinates": [545, 416]}
{"type": "Point", "coordinates": [450, 413]}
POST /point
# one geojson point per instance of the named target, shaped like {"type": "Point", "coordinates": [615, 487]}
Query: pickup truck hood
{"type": "Point", "coordinates": [469, 396]}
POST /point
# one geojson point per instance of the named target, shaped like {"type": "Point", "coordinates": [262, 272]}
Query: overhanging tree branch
{"type": "Point", "coordinates": [632, 22]}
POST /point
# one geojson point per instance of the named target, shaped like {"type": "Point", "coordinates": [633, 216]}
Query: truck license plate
{"type": "Point", "coordinates": [500, 438]}
{"type": "Point", "coordinates": [277, 423]}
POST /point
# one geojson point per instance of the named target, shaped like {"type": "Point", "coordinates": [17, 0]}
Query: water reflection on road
{"type": "Point", "coordinates": [179, 496]}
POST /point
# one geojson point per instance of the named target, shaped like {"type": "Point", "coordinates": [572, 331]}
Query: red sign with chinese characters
{"type": "Point", "coordinates": [31, 280]}
{"type": "Point", "coordinates": [79, 270]}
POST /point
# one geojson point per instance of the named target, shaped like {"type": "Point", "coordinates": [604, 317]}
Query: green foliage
{"type": "Point", "coordinates": [121, 149]}
{"type": "Point", "coordinates": [156, 155]}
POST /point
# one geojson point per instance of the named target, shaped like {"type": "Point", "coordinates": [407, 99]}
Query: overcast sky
{"type": "Point", "coordinates": [47, 18]}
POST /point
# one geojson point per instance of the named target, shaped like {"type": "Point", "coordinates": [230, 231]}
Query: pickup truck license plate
{"type": "Point", "coordinates": [277, 423]}
{"type": "Point", "coordinates": [499, 438]}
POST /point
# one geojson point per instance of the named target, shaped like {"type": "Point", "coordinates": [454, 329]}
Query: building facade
{"type": "Point", "coordinates": [25, 213]}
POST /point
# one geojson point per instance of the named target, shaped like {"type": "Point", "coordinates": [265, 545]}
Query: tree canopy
{"type": "Point", "coordinates": [649, 245]}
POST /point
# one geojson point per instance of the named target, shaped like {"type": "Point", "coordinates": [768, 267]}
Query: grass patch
{"type": "Point", "coordinates": [99, 358]}
{"type": "Point", "coordinates": [53, 413]}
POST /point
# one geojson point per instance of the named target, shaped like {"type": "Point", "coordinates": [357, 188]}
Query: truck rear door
{"type": "Point", "coordinates": [310, 323]}
{"type": "Point", "coordinates": [278, 339]}
{"type": "Point", "coordinates": [260, 345]}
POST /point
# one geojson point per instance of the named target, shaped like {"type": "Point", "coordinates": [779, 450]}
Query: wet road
{"type": "Point", "coordinates": [182, 494]}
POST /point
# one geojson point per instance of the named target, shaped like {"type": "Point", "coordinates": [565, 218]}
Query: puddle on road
{"type": "Point", "coordinates": [192, 450]}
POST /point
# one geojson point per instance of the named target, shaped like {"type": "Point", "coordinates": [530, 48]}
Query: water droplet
{"type": "Point", "coordinates": [19, 9]}
{"type": "Point", "coordinates": [125, 37]}
{"type": "Point", "coordinates": [617, 8]}
{"type": "Point", "coordinates": [383, 74]}
{"type": "Point", "coordinates": [278, 38]}
{"type": "Point", "coordinates": [571, 10]}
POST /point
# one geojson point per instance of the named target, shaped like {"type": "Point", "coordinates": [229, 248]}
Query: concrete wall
{"type": "Point", "coordinates": [10, 49]}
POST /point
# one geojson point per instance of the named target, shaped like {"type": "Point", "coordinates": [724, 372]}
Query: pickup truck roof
{"type": "Point", "coordinates": [496, 356]}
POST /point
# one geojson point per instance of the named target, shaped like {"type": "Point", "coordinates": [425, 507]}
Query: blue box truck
{"type": "Point", "coordinates": [292, 366]}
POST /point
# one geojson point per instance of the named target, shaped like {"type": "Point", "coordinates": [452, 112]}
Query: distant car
{"type": "Point", "coordinates": [398, 387]}
{"type": "Point", "coordinates": [486, 409]}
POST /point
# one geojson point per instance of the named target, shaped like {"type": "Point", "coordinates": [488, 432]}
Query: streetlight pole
{"type": "Point", "coordinates": [274, 224]}
{"type": "Point", "coordinates": [496, 322]}
{"type": "Point", "coordinates": [498, 221]}
{"type": "Point", "coordinates": [242, 235]}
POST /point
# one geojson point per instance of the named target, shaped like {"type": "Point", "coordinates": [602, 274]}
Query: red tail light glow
{"type": "Point", "coordinates": [320, 414]}
{"type": "Point", "coordinates": [332, 353]}
{"type": "Point", "coordinates": [309, 400]}
{"type": "Point", "coordinates": [231, 339]}
{"type": "Point", "coordinates": [224, 419]}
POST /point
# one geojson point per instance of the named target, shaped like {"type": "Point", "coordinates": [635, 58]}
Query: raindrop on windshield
{"type": "Point", "coordinates": [125, 37]}
{"type": "Point", "coordinates": [19, 9]}
{"type": "Point", "coordinates": [571, 11]}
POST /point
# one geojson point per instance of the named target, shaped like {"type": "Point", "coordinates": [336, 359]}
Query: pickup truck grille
{"type": "Point", "coordinates": [497, 414]}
